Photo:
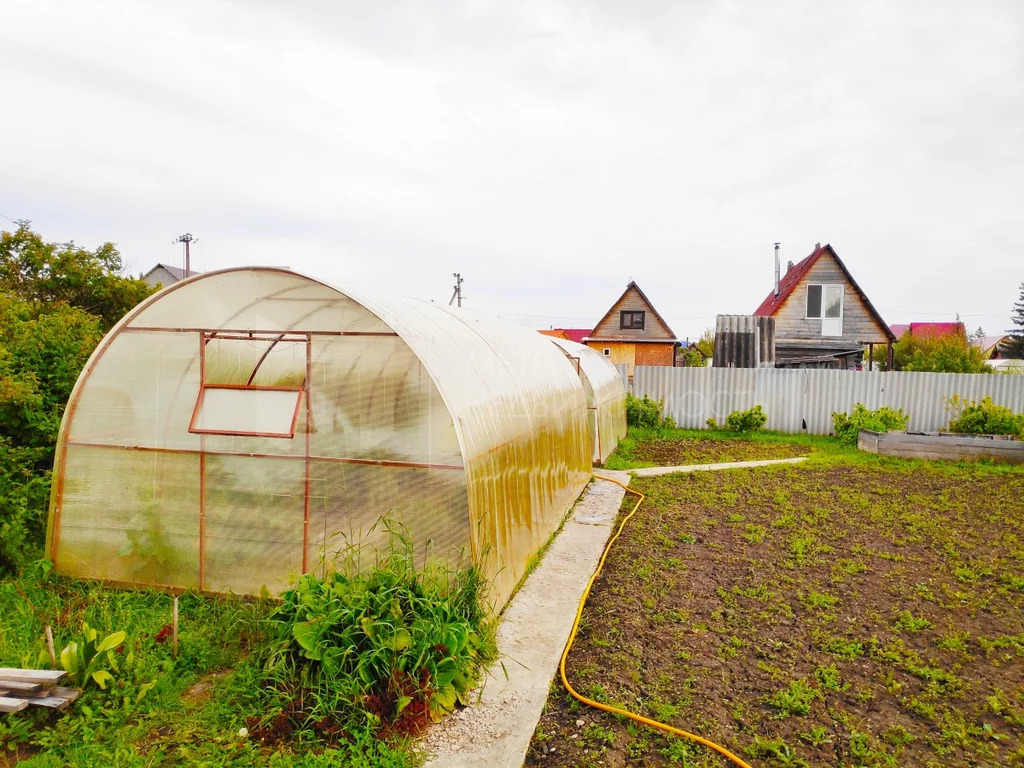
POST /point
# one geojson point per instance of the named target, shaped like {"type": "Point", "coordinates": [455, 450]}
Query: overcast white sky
{"type": "Point", "coordinates": [549, 151]}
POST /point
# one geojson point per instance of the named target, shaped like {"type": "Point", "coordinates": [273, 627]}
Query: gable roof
{"type": "Point", "coordinates": [176, 272]}
{"type": "Point", "coordinates": [633, 286]}
{"type": "Point", "coordinates": [789, 281]}
{"type": "Point", "coordinates": [989, 343]}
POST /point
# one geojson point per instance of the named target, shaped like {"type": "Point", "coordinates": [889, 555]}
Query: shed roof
{"type": "Point", "coordinates": [572, 334]}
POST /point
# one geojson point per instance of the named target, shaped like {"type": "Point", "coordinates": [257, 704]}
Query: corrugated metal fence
{"type": "Point", "coordinates": [797, 399]}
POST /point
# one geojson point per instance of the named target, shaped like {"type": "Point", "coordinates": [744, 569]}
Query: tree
{"type": "Point", "coordinates": [690, 357]}
{"type": "Point", "coordinates": [1015, 346]}
{"type": "Point", "coordinates": [43, 273]}
{"type": "Point", "coordinates": [979, 333]}
{"type": "Point", "coordinates": [944, 354]}
{"type": "Point", "coordinates": [56, 302]}
{"type": "Point", "coordinates": [706, 343]}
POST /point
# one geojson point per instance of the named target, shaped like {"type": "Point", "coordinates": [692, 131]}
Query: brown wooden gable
{"type": "Point", "coordinates": [633, 299]}
{"type": "Point", "coordinates": [861, 322]}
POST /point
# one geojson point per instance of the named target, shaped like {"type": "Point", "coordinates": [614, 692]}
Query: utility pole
{"type": "Point", "coordinates": [458, 289]}
{"type": "Point", "coordinates": [186, 239]}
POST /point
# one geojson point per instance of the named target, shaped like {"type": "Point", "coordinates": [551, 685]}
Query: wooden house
{"type": "Point", "coordinates": [823, 319]}
{"type": "Point", "coordinates": [633, 332]}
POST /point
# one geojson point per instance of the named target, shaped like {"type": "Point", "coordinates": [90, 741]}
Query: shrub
{"type": "Point", "coordinates": [946, 354]}
{"type": "Point", "coordinates": [846, 427]}
{"type": "Point", "coordinates": [646, 413]}
{"type": "Point", "coordinates": [984, 418]}
{"type": "Point", "coordinates": [388, 647]}
{"type": "Point", "coordinates": [750, 420]}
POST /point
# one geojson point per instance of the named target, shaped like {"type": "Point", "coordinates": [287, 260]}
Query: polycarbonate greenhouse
{"type": "Point", "coordinates": [606, 401]}
{"type": "Point", "coordinates": [241, 427]}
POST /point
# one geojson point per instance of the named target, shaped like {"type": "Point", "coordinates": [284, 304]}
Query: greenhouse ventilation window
{"type": "Point", "coordinates": [246, 410]}
{"type": "Point", "coordinates": [251, 386]}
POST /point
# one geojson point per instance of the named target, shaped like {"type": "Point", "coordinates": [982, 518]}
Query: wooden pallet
{"type": "Point", "coordinates": [21, 688]}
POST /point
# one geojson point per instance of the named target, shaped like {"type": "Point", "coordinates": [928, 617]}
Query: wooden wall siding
{"type": "Point", "coordinates": [654, 354]}
{"type": "Point", "coordinates": [859, 325]}
{"type": "Point", "coordinates": [621, 353]}
{"type": "Point", "coordinates": [632, 300]}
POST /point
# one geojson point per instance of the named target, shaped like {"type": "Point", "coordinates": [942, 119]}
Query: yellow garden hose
{"type": "Point", "coordinates": [572, 637]}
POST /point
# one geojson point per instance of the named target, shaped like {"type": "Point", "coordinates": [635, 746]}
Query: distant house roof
{"type": "Point", "coordinates": [793, 277]}
{"type": "Point", "coordinates": [572, 334]}
{"type": "Point", "coordinates": [930, 330]}
{"type": "Point", "coordinates": [176, 272]}
{"type": "Point", "coordinates": [989, 344]}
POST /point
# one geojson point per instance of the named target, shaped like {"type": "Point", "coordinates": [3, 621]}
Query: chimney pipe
{"type": "Point", "coordinates": [777, 269]}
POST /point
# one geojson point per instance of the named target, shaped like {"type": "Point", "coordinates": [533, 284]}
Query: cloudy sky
{"type": "Point", "coordinates": [547, 150]}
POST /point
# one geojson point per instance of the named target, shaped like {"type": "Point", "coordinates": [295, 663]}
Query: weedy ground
{"type": "Point", "coordinates": [849, 611]}
{"type": "Point", "coordinates": [664, 447]}
{"type": "Point", "coordinates": [343, 672]}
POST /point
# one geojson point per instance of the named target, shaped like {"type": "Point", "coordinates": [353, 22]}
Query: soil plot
{"type": "Point", "coordinates": [868, 615]}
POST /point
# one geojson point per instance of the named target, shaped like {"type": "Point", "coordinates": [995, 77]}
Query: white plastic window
{"type": "Point", "coordinates": [824, 301]}
{"type": "Point", "coordinates": [262, 412]}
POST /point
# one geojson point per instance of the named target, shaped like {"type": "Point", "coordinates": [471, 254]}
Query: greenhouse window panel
{"type": "Point", "coordinates": [246, 411]}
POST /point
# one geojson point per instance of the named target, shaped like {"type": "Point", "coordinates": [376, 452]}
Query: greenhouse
{"type": "Point", "coordinates": [244, 426]}
{"type": "Point", "coordinates": [606, 402]}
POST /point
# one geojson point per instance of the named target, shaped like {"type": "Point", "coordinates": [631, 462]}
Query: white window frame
{"type": "Point", "coordinates": [607, 352]}
{"type": "Point", "coordinates": [824, 290]}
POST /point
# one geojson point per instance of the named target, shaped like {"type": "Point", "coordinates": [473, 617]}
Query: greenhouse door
{"type": "Point", "coordinates": [253, 415]}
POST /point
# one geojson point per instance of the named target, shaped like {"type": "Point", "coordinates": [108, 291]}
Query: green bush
{"type": "Point", "coordinates": [750, 420]}
{"type": "Point", "coordinates": [984, 418]}
{"type": "Point", "coordinates": [646, 413]}
{"type": "Point", "coordinates": [847, 426]}
{"type": "Point", "coordinates": [386, 648]}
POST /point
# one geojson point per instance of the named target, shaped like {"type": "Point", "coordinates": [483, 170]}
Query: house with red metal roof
{"type": "Point", "coordinates": [823, 318]}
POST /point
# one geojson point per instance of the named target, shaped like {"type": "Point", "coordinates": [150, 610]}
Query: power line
{"type": "Point", "coordinates": [8, 218]}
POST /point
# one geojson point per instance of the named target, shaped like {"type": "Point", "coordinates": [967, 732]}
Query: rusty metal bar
{"type": "Point", "coordinates": [301, 457]}
{"type": "Point", "coordinates": [308, 469]}
{"type": "Point", "coordinates": [248, 333]}
{"type": "Point", "coordinates": [202, 464]}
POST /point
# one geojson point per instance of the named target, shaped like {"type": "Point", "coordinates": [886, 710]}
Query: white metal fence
{"type": "Point", "coordinates": [798, 400]}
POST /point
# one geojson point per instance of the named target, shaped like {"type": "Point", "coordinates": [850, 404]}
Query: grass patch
{"type": "Point", "coordinates": [344, 670]}
{"type": "Point", "coordinates": [659, 447]}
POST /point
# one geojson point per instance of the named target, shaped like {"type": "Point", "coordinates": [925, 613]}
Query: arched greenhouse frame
{"type": "Point", "coordinates": [241, 427]}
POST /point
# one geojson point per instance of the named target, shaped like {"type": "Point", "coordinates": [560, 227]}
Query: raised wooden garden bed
{"type": "Point", "coordinates": [942, 445]}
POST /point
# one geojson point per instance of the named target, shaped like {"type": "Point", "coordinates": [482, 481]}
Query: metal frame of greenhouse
{"type": "Point", "coordinates": [243, 426]}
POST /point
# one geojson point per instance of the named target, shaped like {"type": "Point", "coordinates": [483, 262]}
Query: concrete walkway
{"type": "Point", "coordinates": [495, 732]}
{"type": "Point", "coordinates": [649, 471]}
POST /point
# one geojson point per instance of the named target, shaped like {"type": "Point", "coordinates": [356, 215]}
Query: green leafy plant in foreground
{"type": "Point", "coordinates": [848, 426]}
{"type": "Point", "coordinates": [86, 659]}
{"type": "Point", "coordinates": [386, 648]}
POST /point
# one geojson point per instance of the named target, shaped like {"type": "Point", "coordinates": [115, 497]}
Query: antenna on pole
{"type": "Point", "coordinates": [457, 294]}
{"type": "Point", "coordinates": [187, 239]}
{"type": "Point", "coordinates": [777, 268]}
